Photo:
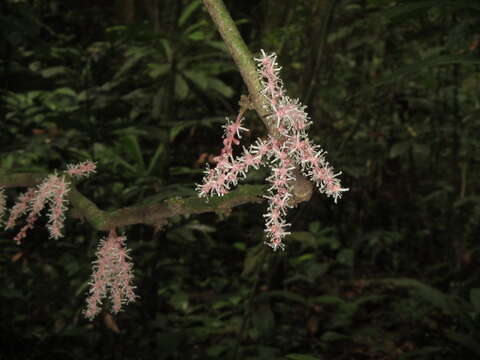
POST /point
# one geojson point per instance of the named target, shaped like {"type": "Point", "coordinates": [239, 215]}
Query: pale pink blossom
{"type": "Point", "coordinates": [52, 192]}
{"type": "Point", "coordinates": [85, 168]}
{"type": "Point", "coordinates": [112, 276]}
{"type": "Point", "coordinates": [20, 207]}
{"type": "Point", "coordinates": [282, 154]}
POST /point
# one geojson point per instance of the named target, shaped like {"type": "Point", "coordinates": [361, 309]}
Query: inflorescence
{"type": "Point", "coordinates": [283, 153]}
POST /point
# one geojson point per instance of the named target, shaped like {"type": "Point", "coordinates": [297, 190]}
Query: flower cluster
{"type": "Point", "coordinates": [285, 152]}
{"type": "Point", "coordinates": [82, 169]}
{"type": "Point", "coordinates": [112, 276]}
{"type": "Point", "coordinates": [53, 192]}
{"type": "Point", "coordinates": [112, 271]}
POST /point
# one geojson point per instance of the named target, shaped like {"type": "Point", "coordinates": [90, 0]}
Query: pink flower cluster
{"type": "Point", "coordinates": [112, 276]}
{"type": "Point", "coordinates": [112, 271]}
{"type": "Point", "coordinates": [283, 153]}
{"type": "Point", "coordinates": [53, 191]}
{"type": "Point", "coordinates": [82, 169]}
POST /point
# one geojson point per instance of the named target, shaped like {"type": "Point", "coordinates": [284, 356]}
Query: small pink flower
{"type": "Point", "coordinates": [283, 154]}
{"type": "Point", "coordinates": [112, 276]}
{"type": "Point", "coordinates": [21, 207]}
{"type": "Point", "coordinates": [85, 168]}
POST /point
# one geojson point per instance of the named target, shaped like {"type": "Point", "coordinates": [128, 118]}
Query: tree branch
{"type": "Point", "coordinates": [151, 214]}
{"type": "Point", "coordinates": [243, 58]}
{"type": "Point", "coordinates": [241, 55]}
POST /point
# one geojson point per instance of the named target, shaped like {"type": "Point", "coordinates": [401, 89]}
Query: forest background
{"type": "Point", "coordinates": [142, 88]}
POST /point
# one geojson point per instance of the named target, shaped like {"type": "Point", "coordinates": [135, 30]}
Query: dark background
{"type": "Point", "coordinates": [142, 88]}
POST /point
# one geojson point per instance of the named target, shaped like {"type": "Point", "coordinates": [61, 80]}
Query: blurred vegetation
{"type": "Point", "coordinates": [143, 87]}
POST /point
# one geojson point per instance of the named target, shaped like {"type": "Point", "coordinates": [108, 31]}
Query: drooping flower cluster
{"type": "Point", "coordinates": [53, 192]}
{"type": "Point", "coordinates": [290, 149]}
{"type": "Point", "coordinates": [82, 169]}
{"type": "Point", "coordinates": [112, 276]}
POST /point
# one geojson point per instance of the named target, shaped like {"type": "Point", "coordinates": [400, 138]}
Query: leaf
{"type": "Point", "coordinates": [346, 257]}
{"type": "Point", "coordinates": [168, 50]}
{"type": "Point", "coordinates": [216, 350]}
{"type": "Point", "coordinates": [329, 336]}
{"type": "Point", "coordinates": [465, 340]}
{"type": "Point", "coordinates": [54, 71]}
{"type": "Point", "coordinates": [475, 299]}
{"type": "Point", "coordinates": [220, 87]}
{"type": "Point", "coordinates": [129, 64]}
{"type": "Point", "coordinates": [426, 292]}
{"type": "Point", "coordinates": [423, 353]}
{"type": "Point", "coordinates": [202, 228]}
{"type": "Point", "coordinates": [181, 87]}
{"type": "Point", "coordinates": [315, 270]}
{"type": "Point", "coordinates": [301, 357]}
{"type": "Point", "coordinates": [132, 146]}
{"type": "Point", "coordinates": [180, 301]}
{"type": "Point", "coordinates": [420, 65]}
{"type": "Point", "coordinates": [263, 320]}
{"type": "Point", "coordinates": [314, 227]}
{"type": "Point", "coordinates": [158, 70]}
{"type": "Point", "coordinates": [418, 8]}
{"type": "Point", "coordinates": [198, 78]}
{"type": "Point", "coordinates": [197, 36]}
{"type": "Point", "coordinates": [287, 295]}
{"type": "Point", "coordinates": [66, 91]}
{"type": "Point", "coordinates": [11, 293]}
{"type": "Point", "coordinates": [305, 238]}
{"type": "Point", "coordinates": [328, 299]}
{"type": "Point", "coordinates": [187, 12]}
{"type": "Point", "coordinates": [399, 149]}
{"type": "Point", "coordinates": [154, 159]}
{"type": "Point", "coordinates": [255, 256]}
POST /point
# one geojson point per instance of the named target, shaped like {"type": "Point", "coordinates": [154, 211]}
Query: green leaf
{"type": "Point", "coordinates": [180, 301]}
{"type": "Point", "coordinates": [305, 238]}
{"type": "Point", "coordinates": [132, 146]}
{"type": "Point", "coordinates": [153, 161]}
{"type": "Point", "coordinates": [181, 87]}
{"type": "Point", "coordinates": [220, 87]}
{"type": "Point", "coordinates": [315, 270]}
{"type": "Point", "coordinates": [346, 257]}
{"type": "Point", "coordinates": [399, 149]}
{"type": "Point", "coordinates": [284, 294]}
{"type": "Point", "coordinates": [158, 70]}
{"type": "Point", "coordinates": [475, 299]}
{"type": "Point", "coordinates": [301, 357]}
{"type": "Point", "coordinates": [420, 65]}
{"type": "Point", "coordinates": [328, 299]}
{"type": "Point", "coordinates": [168, 50]}
{"type": "Point", "coordinates": [330, 336]}
{"type": "Point", "coordinates": [263, 320]}
{"type": "Point", "coordinates": [427, 293]}
{"type": "Point", "coordinates": [197, 36]}
{"type": "Point", "coordinates": [66, 91]}
{"type": "Point", "coordinates": [465, 340]}
{"type": "Point", "coordinates": [187, 12]}
{"type": "Point", "coordinates": [8, 293]}
{"type": "Point", "coordinates": [255, 256]}
{"type": "Point", "coordinates": [198, 78]}
{"type": "Point", "coordinates": [55, 71]}
{"type": "Point", "coordinates": [314, 227]}
{"type": "Point", "coordinates": [129, 64]}
{"type": "Point", "coordinates": [418, 8]}
{"type": "Point", "coordinates": [216, 350]}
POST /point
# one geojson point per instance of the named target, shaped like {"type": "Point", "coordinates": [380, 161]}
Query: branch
{"type": "Point", "coordinates": [151, 214]}
{"type": "Point", "coordinates": [241, 55]}
{"type": "Point", "coordinates": [243, 58]}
